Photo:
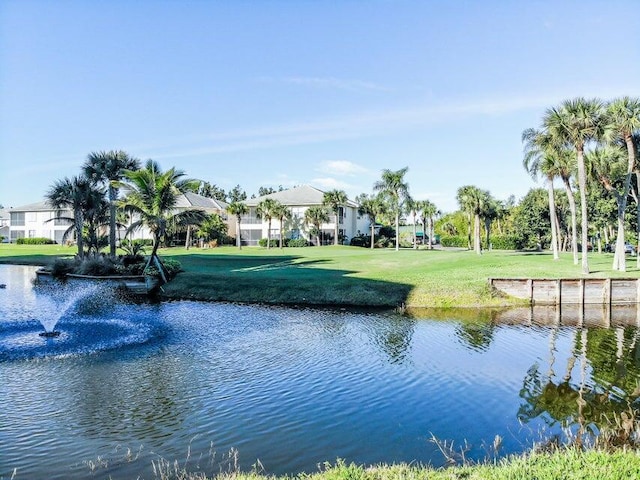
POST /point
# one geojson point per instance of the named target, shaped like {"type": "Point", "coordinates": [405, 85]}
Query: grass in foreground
{"type": "Point", "coordinates": [339, 275]}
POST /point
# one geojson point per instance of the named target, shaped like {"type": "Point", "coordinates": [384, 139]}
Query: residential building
{"type": "Point", "coordinates": [298, 200]}
{"type": "Point", "coordinates": [37, 220]}
{"type": "Point", "coordinates": [41, 220]}
{"type": "Point", "coordinates": [4, 225]}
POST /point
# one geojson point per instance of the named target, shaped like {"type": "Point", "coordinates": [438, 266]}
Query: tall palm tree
{"type": "Point", "coordinates": [577, 122]}
{"type": "Point", "coordinates": [473, 201]}
{"type": "Point", "coordinates": [540, 154]}
{"type": "Point", "coordinates": [108, 168]}
{"type": "Point", "coordinates": [411, 207]}
{"type": "Point", "coordinates": [335, 200]}
{"type": "Point", "coordinates": [282, 213]}
{"type": "Point", "coordinates": [428, 211]}
{"type": "Point", "coordinates": [607, 165]}
{"type": "Point", "coordinates": [152, 196]}
{"type": "Point", "coordinates": [266, 210]}
{"type": "Point", "coordinates": [623, 120]}
{"type": "Point", "coordinates": [393, 186]}
{"type": "Point", "coordinates": [371, 206]}
{"type": "Point", "coordinates": [316, 216]}
{"type": "Point", "coordinates": [78, 195]}
{"type": "Point", "coordinates": [238, 209]}
{"type": "Point", "coordinates": [463, 199]}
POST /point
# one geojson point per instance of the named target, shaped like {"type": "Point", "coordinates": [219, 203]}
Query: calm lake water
{"type": "Point", "coordinates": [127, 384]}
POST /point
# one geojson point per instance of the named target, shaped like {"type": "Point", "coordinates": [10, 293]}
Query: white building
{"type": "Point", "coordinates": [40, 220]}
{"type": "Point", "coordinates": [298, 200]}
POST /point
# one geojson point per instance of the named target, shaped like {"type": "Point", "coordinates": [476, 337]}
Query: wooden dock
{"type": "Point", "coordinates": [570, 291]}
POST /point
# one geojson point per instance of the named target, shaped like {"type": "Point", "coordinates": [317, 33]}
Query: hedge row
{"type": "Point", "coordinates": [35, 241]}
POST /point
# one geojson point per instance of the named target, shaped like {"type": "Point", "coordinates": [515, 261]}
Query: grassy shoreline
{"type": "Point", "coordinates": [347, 276]}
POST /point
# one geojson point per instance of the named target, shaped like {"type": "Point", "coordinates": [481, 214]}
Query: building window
{"type": "Point", "coordinates": [32, 217]}
{"type": "Point", "coordinates": [32, 234]}
{"type": "Point", "coordinates": [17, 220]}
{"type": "Point", "coordinates": [16, 234]}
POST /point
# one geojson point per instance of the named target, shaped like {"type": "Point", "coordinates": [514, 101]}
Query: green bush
{"type": "Point", "coordinates": [296, 242]}
{"type": "Point", "coordinates": [60, 267]}
{"type": "Point", "coordinates": [454, 241]}
{"type": "Point", "coordinates": [98, 266]}
{"type": "Point", "coordinates": [35, 241]}
{"type": "Point", "coordinates": [272, 243]}
{"type": "Point", "coordinates": [361, 241]}
{"type": "Point", "coordinates": [503, 242]}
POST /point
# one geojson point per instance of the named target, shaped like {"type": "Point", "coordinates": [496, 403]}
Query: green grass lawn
{"type": "Point", "coordinates": [340, 275]}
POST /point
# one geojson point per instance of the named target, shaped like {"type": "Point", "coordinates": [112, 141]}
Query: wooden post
{"type": "Point", "coordinates": [530, 287]}
{"type": "Point", "coordinates": [559, 291]}
{"type": "Point", "coordinates": [581, 301]}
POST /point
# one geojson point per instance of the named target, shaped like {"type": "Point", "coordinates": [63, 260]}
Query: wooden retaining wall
{"type": "Point", "coordinates": [580, 291]}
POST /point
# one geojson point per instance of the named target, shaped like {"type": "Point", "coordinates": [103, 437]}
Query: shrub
{"type": "Point", "coordinates": [35, 241]}
{"type": "Point", "coordinates": [98, 266]}
{"type": "Point", "coordinates": [383, 242]}
{"type": "Point", "coordinates": [361, 241]}
{"type": "Point", "coordinates": [272, 243]}
{"type": "Point", "coordinates": [173, 267]}
{"type": "Point", "coordinates": [60, 267]}
{"type": "Point", "coordinates": [503, 242]}
{"type": "Point", "coordinates": [454, 241]}
{"type": "Point", "coordinates": [296, 242]}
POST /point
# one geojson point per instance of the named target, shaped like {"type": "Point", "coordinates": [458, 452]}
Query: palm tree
{"type": "Point", "coordinates": [429, 211]}
{"type": "Point", "coordinates": [393, 186]}
{"type": "Point", "coordinates": [152, 196]}
{"type": "Point", "coordinates": [473, 201]}
{"type": "Point", "coordinates": [411, 207]}
{"type": "Point", "coordinates": [316, 216]}
{"type": "Point", "coordinates": [78, 195]}
{"type": "Point", "coordinates": [282, 213]}
{"type": "Point", "coordinates": [107, 168]}
{"type": "Point", "coordinates": [607, 165]}
{"type": "Point", "coordinates": [463, 198]}
{"type": "Point", "coordinates": [540, 154]}
{"type": "Point", "coordinates": [578, 122]}
{"type": "Point", "coordinates": [334, 200]}
{"type": "Point", "coordinates": [371, 206]}
{"type": "Point", "coordinates": [623, 120]}
{"type": "Point", "coordinates": [238, 209]}
{"type": "Point", "coordinates": [266, 210]}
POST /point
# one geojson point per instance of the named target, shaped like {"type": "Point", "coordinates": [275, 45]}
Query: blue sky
{"type": "Point", "coordinates": [327, 93]}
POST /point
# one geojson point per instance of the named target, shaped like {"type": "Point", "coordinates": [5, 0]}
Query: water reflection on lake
{"type": "Point", "coordinates": [295, 387]}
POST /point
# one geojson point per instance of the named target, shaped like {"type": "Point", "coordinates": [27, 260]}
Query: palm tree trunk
{"type": "Point", "coordinates": [619, 257]}
{"type": "Point", "coordinates": [476, 235]}
{"type": "Point", "coordinates": [373, 231]}
{"type": "Point", "coordinates": [281, 227]}
{"type": "Point", "coordinates": [582, 183]}
{"type": "Point", "coordinates": [187, 241]}
{"type": "Point", "coordinates": [335, 239]}
{"type": "Point", "coordinates": [415, 243]}
{"type": "Point", "coordinates": [238, 239]}
{"type": "Point", "coordinates": [269, 234]}
{"type": "Point", "coordinates": [574, 220]}
{"type": "Point", "coordinates": [79, 219]}
{"type": "Point", "coordinates": [554, 221]}
{"type": "Point", "coordinates": [397, 231]}
{"type": "Point", "coordinates": [637, 199]}
{"type": "Point", "coordinates": [112, 221]}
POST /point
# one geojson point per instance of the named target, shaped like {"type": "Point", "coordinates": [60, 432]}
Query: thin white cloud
{"type": "Point", "coordinates": [341, 167]}
{"type": "Point", "coordinates": [356, 125]}
{"type": "Point", "coordinates": [330, 183]}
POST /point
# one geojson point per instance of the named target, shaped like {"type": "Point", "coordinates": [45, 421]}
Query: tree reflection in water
{"type": "Point", "coordinates": [603, 396]}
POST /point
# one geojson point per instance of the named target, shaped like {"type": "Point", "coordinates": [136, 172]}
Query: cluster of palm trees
{"type": "Point", "coordinates": [588, 141]}
{"type": "Point", "coordinates": [391, 199]}
{"type": "Point", "coordinates": [150, 199]}
{"type": "Point", "coordinates": [480, 207]}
